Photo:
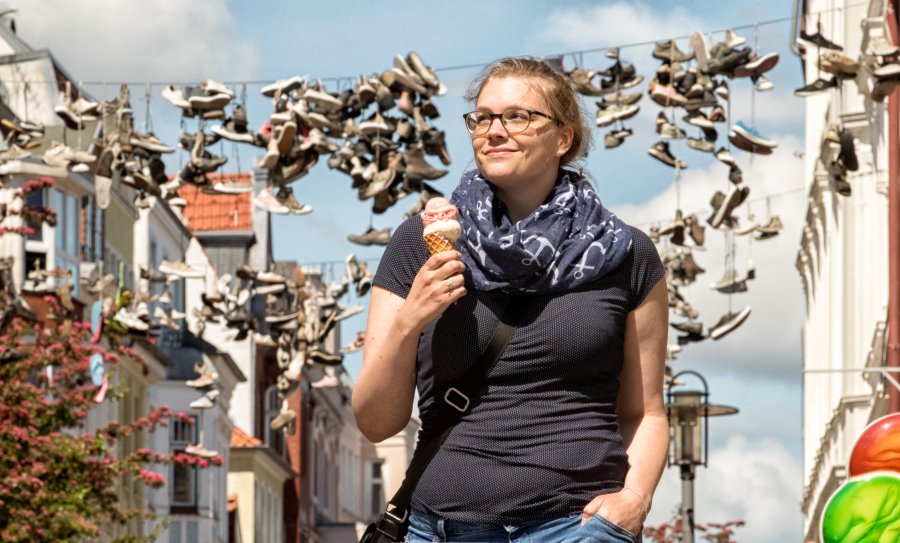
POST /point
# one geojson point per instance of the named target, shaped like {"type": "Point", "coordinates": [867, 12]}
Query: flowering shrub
{"type": "Point", "coordinates": [31, 216]}
{"type": "Point", "coordinates": [57, 479]}
{"type": "Point", "coordinates": [670, 532]}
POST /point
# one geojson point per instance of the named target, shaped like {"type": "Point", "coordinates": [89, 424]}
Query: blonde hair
{"type": "Point", "coordinates": [554, 87]}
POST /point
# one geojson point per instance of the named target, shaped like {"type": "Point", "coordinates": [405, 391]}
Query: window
{"type": "Point", "coordinates": [175, 532]}
{"type": "Point", "coordinates": [94, 250]}
{"type": "Point", "coordinates": [274, 439]}
{"type": "Point", "coordinates": [377, 489]}
{"type": "Point", "coordinates": [36, 199]}
{"type": "Point", "coordinates": [184, 478]}
{"type": "Point", "coordinates": [68, 246]}
{"type": "Point", "coordinates": [113, 263]}
{"type": "Point", "coordinates": [184, 531]}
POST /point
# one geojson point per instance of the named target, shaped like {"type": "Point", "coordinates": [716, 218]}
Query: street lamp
{"type": "Point", "coordinates": [689, 412]}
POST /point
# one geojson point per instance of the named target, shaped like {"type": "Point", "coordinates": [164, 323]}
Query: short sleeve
{"type": "Point", "coordinates": [647, 267]}
{"type": "Point", "coordinates": [403, 257]}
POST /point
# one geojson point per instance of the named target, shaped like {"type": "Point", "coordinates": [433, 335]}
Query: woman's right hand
{"type": "Point", "coordinates": [438, 284]}
{"type": "Point", "coordinates": [384, 390]}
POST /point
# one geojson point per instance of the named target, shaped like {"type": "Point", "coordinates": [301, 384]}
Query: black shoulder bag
{"type": "Point", "coordinates": [392, 525]}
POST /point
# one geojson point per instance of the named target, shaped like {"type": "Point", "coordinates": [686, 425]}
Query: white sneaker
{"type": "Point", "coordinates": [200, 450]}
{"type": "Point", "coordinates": [327, 381]}
{"type": "Point", "coordinates": [269, 277]}
{"type": "Point", "coordinates": [131, 321]}
{"type": "Point", "coordinates": [206, 401]}
{"type": "Point", "coordinates": [294, 370]}
{"type": "Point", "coordinates": [214, 87]}
{"type": "Point", "coordinates": [264, 199]}
{"type": "Point", "coordinates": [273, 288]}
{"type": "Point", "coordinates": [231, 187]}
{"type": "Point", "coordinates": [180, 268]}
{"type": "Point", "coordinates": [175, 97]}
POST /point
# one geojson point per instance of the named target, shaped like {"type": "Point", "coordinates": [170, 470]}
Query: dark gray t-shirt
{"type": "Point", "coordinates": [541, 437]}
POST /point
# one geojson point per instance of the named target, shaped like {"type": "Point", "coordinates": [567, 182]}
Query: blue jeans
{"type": "Point", "coordinates": [426, 528]}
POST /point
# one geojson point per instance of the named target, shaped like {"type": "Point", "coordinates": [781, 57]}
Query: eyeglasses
{"type": "Point", "coordinates": [514, 120]}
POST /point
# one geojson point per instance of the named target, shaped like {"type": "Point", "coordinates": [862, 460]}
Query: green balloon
{"type": "Point", "coordinates": [865, 509]}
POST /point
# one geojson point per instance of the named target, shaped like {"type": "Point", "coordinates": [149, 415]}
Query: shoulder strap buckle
{"type": "Point", "coordinates": [456, 399]}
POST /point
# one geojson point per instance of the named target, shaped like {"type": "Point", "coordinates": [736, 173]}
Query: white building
{"type": "Point", "coordinates": [843, 254]}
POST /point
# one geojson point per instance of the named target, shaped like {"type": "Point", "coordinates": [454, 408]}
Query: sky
{"type": "Point", "coordinates": [755, 469]}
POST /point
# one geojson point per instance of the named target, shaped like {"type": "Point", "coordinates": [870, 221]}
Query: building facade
{"type": "Point", "coordinates": [317, 480]}
{"type": "Point", "coordinates": [843, 257]}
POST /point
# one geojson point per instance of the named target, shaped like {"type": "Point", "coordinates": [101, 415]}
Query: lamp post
{"type": "Point", "coordinates": [689, 412]}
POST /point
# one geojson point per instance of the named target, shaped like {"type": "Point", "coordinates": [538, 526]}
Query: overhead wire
{"type": "Point", "coordinates": [471, 66]}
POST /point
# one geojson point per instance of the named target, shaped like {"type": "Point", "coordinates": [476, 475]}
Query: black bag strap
{"type": "Point", "coordinates": [457, 398]}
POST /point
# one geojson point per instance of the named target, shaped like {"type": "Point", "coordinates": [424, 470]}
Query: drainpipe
{"type": "Point", "coordinates": [893, 316]}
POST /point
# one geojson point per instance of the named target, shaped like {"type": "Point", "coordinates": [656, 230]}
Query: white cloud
{"type": "Point", "coordinates": [625, 23]}
{"type": "Point", "coordinates": [771, 334]}
{"type": "Point", "coordinates": [757, 482]}
{"type": "Point", "coordinates": [615, 24]}
{"type": "Point", "coordinates": [753, 477]}
{"type": "Point", "coordinates": [133, 40]}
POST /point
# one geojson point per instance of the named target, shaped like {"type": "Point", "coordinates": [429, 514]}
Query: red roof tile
{"type": "Point", "coordinates": [240, 438]}
{"type": "Point", "coordinates": [218, 212]}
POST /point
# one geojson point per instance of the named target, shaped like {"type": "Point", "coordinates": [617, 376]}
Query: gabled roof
{"type": "Point", "coordinates": [13, 41]}
{"type": "Point", "coordinates": [240, 438]}
{"type": "Point", "coordinates": [218, 212]}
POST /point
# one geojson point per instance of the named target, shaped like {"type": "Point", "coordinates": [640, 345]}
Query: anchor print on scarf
{"type": "Point", "coordinates": [569, 240]}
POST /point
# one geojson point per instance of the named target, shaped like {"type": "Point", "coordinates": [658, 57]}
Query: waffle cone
{"type": "Point", "coordinates": [437, 243]}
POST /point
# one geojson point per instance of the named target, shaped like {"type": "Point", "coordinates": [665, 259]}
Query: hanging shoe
{"type": "Point", "coordinates": [200, 450]}
{"type": "Point", "coordinates": [688, 327]}
{"type": "Point", "coordinates": [819, 40]}
{"type": "Point", "coordinates": [752, 136]}
{"type": "Point", "coordinates": [285, 197]}
{"type": "Point", "coordinates": [206, 401]}
{"type": "Point", "coordinates": [365, 281]}
{"type": "Point", "coordinates": [323, 357]}
{"type": "Point", "coordinates": [847, 155]}
{"type": "Point", "coordinates": [728, 323]}
{"type": "Point", "coordinates": [357, 343]}
{"type": "Point", "coordinates": [660, 151]}
{"type": "Point", "coordinates": [747, 226]}
{"type": "Point", "coordinates": [329, 380]}
{"type": "Point", "coordinates": [371, 237]}
{"type": "Point", "coordinates": [839, 64]}
{"type": "Point", "coordinates": [181, 269]}
{"type": "Point", "coordinates": [729, 283]}
{"type": "Point", "coordinates": [755, 67]}
{"type": "Point", "coordinates": [695, 230]}
{"type": "Point", "coordinates": [770, 229]}
{"type": "Point", "coordinates": [283, 419]}
{"type": "Point", "coordinates": [265, 199]}
{"type": "Point", "coordinates": [667, 50]}
{"type": "Point", "coordinates": [817, 86]}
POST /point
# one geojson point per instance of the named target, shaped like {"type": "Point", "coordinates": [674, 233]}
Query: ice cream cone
{"type": "Point", "coordinates": [437, 243]}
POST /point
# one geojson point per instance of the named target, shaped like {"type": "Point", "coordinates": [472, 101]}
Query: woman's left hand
{"type": "Point", "coordinates": [623, 508]}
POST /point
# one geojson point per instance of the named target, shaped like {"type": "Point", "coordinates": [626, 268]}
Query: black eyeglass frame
{"type": "Point", "coordinates": [493, 116]}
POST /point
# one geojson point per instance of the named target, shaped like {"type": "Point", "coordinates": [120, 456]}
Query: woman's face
{"type": "Point", "coordinates": [521, 159]}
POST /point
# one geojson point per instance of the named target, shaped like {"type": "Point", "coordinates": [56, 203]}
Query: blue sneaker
{"type": "Point", "coordinates": [753, 137]}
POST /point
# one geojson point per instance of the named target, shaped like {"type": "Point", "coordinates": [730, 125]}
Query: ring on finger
{"type": "Point", "coordinates": [449, 284]}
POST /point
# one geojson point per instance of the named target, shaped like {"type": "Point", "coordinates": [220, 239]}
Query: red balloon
{"type": "Point", "coordinates": [878, 448]}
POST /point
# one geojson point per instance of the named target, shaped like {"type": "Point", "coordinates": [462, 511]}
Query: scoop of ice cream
{"type": "Point", "coordinates": [439, 209]}
{"type": "Point", "coordinates": [441, 217]}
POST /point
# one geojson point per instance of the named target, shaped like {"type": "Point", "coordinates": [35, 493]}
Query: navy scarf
{"type": "Point", "coordinates": [569, 240]}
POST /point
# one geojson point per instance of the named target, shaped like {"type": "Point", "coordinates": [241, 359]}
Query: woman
{"type": "Point", "coordinates": [568, 437]}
